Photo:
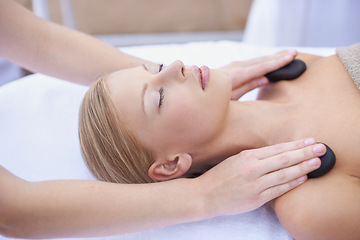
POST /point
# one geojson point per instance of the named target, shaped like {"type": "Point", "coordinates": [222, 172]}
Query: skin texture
{"type": "Point", "coordinates": [327, 207]}
{"type": "Point", "coordinates": [183, 98]}
{"type": "Point", "coordinates": [322, 208]}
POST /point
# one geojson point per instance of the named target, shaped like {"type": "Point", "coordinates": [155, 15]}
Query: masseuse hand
{"type": "Point", "coordinates": [251, 178]}
{"type": "Point", "coordinates": [248, 75]}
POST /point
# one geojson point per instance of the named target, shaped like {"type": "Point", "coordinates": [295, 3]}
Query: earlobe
{"type": "Point", "coordinates": [170, 168]}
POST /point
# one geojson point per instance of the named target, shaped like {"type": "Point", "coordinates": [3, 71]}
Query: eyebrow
{"type": "Point", "coordinates": [142, 97]}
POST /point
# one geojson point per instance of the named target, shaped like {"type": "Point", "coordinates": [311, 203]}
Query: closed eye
{"type": "Point", "coordinates": [161, 90]}
{"type": "Point", "coordinates": [161, 99]}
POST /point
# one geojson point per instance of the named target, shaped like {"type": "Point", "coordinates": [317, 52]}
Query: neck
{"type": "Point", "coordinates": [249, 125]}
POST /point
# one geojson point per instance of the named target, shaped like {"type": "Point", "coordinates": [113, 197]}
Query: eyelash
{"type": "Point", "coordinates": [161, 90]}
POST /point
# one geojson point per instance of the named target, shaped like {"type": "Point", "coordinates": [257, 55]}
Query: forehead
{"type": "Point", "coordinates": [125, 91]}
{"type": "Point", "coordinates": [123, 77]}
{"type": "Point", "coordinates": [125, 82]}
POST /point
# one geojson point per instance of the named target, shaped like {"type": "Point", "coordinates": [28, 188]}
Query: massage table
{"type": "Point", "coordinates": [39, 138]}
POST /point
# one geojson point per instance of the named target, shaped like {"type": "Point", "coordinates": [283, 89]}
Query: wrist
{"type": "Point", "coordinates": [202, 193]}
{"type": "Point", "coordinates": [192, 200]}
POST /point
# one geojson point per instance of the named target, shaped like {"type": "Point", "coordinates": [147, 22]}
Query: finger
{"type": "Point", "coordinates": [255, 83]}
{"type": "Point", "coordinates": [265, 152]}
{"type": "Point", "coordinates": [291, 158]}
{"type": "Point", "coordinates": [269, 58]}
{"type": "Point", "coordinates": [261, 68]}
{"type": "Point", "coordinates": [276, 191]}
{"type": "Point", "coordinates": [288, 174]}
{"type": "Point", "coordinates": [258, 67]}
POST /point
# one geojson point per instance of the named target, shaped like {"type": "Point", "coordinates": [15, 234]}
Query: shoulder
{"type": "Point", "coordinates": [323, 208]}
{"type": "Point", "coordinates": [308, 58]}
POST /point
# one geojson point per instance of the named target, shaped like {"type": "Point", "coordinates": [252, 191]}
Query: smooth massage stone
{"type": "Point", "coordinates": [327, 163]}
{"type": "Point", "coordinates": [288, 72]}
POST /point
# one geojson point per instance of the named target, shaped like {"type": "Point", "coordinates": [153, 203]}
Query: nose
{"type": "Point", "coordinates": [174, 71]}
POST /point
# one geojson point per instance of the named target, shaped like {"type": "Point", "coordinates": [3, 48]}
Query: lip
{"type": "Point", "coordinates": [202, 75]}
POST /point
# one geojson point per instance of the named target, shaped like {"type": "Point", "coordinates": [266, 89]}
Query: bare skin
{"type": "Point", "coordinates": [327, 207]}
{"type": "Point", "coordinates": [92, 208]}
{"type": "Point", "coordinates": [323, 102]}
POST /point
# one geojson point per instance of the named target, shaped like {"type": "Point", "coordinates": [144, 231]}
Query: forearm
{"type": "Point", "coordinates": [92, 208]}
{"type": "Point", "coordinates": [45, 47]}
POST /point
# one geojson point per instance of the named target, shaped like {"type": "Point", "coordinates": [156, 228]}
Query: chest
{"type": "Point", "coordinates": [325, 104]}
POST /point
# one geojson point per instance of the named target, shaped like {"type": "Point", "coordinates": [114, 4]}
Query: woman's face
{"type": "Point", "coordinates": [176, 110]}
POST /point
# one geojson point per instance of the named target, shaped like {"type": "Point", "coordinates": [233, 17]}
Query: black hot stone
{"type": "Point", "coordinates": [327, 163]}
{"type": "Point", "coordinates": [288, 72]}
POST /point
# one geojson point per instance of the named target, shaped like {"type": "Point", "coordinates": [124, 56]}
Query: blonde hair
{"type": "Point", "coordinates": [109, 147]}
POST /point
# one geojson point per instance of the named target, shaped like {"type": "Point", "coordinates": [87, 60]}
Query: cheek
{"type": "Point", "coordinates": [179, 117]}
{"type": "Point", "coordinates": [193, 120]}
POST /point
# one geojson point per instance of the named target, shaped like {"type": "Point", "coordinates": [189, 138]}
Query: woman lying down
{"type": "Point", "coordinates": [179, 120]}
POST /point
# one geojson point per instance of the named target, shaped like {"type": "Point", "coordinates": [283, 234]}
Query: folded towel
{"type": "Point", "coordinates": [350, 57]}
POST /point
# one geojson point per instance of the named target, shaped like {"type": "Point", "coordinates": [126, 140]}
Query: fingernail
{"type": "Point", "coordinates": [319, 148]}
{"type": "Point", "coordinates": [262, 81]}
{"type": "Point", "coordinates": [288, 57]}
{"type": "Point", "coordinates": [293, 51]}
{"type": "Point", "coordinates": [310, 141]}
{"type": "Point", "coordinates": [313, 162]}
{"type": "Point", "coordinates": [301, 179]}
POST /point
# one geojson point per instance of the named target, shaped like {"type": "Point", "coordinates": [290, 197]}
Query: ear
{"type": "Point", "coordinates": [170, 168]}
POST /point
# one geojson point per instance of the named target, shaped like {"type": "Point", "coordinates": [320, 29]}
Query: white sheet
{"type": "Point", "coordinates": [38, 140]}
